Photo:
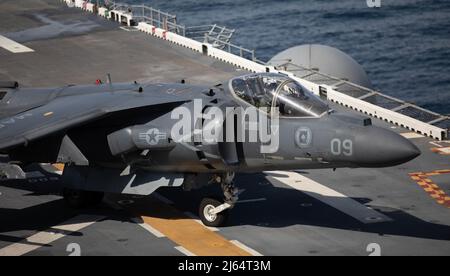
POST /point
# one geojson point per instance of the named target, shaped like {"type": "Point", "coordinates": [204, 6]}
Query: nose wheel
{"type": "Point", "coordinates": [214, 212]}
{"type": "Point", "coordinates": [208, 214]}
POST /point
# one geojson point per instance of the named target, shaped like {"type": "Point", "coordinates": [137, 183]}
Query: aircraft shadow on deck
{"type": "Point", "coordinates": [286, 207]}
{"type": "Point", "coordinates": [282, 208]}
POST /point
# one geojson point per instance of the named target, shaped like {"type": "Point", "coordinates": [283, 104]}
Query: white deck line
{"type": "Point", "coordinates": [47, 237]}
{"type": "Point", "coordinates": [445, 151]}
{"type": "Point", "coordinates": [184, 251]}
{"type": "Point", "coordinates": [412, 135]}
{"type": "Point", "coordinates": [244, 247]}
{"type": "Point", "coordinates": [12, 46]}
{"type": "Point", "coordinates": [330, 197]}
{"type": "Point", "coordinates": [147, 227]}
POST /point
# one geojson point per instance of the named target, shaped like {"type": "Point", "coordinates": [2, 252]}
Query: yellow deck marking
{"type": "Point", "coordinates": [185, 231]}
{"type": "Point", "coordinates": [194, 237]}
{"type": "Point", "coordinates": [442, 151]}
{"type": "Point", "coordinates": [424, 180]}
{"type": "Point", "coordinates": [432, 174]}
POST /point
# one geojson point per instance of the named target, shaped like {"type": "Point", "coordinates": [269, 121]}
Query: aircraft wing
{"type": "Point", "coordinates": [66, 112]}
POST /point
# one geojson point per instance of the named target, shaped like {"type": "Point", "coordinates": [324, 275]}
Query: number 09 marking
{"type": "Point", "coordinates": [339, 147]}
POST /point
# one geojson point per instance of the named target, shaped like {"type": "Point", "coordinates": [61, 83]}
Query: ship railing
{"type": "Point", "coordinates": [218, 36]}
{"type": "Point", "coordinates": [230, 47]}
{"type": "Point", "coordinates": [222, 34]}
{"type": "Point", "coordinates": [154, 17]}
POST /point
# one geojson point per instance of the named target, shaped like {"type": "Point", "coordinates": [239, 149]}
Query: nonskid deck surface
{"type": "Point", "coordinates": [405, 209]}
{"type": "Point", "coordinates": [71, 47]}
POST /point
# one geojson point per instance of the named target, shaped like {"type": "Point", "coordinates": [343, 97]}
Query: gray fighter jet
{"type": "Point", "coordinates": [135, 138]}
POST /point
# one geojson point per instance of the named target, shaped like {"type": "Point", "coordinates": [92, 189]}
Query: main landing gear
{"type": "Point", "coordinates": [214, 212]}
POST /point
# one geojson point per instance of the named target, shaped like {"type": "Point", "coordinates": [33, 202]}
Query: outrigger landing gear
{"type": "Point", "coordinates": [213, 212]}
{"type": "Point", "coordinates": [78, 199]}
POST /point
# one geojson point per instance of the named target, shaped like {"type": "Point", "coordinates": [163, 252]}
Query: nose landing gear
{"type": "Point", "coordinates": [214, 212]}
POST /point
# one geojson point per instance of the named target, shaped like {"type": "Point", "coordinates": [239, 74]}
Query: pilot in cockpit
{"type": "Point", "coordinates": [241, 89]}
{"type": "Point", "coordinates": [278, 91]}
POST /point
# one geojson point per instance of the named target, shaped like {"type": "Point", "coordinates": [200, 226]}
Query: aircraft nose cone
{"type": "Point", "coordinates": [404, 150]}
{"type": "Point", "coordinates": [384, 148]}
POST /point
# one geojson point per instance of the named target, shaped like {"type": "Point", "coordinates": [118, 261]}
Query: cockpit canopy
{"type": "Point", "coordinates": [273, 91]}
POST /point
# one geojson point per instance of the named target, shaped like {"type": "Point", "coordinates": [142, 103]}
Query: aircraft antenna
{"type": "Point", "coordinates": [110, 82]}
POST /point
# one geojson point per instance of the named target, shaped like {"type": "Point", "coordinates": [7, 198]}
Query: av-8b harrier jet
{"type": "Point", "coordinates": [135, 138]}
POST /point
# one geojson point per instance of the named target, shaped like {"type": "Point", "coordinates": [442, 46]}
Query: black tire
{"type": "Point", "coordinates": [218, 220]}
{"type": "Point", "coordinates": [82, 199]}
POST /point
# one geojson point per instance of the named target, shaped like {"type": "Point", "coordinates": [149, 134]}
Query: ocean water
{"type": "Point", "coordinates": [404, 46]}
